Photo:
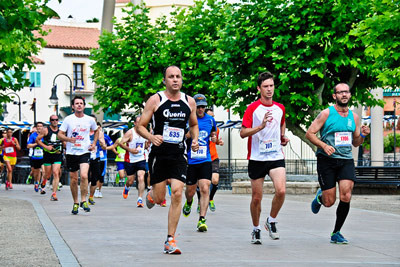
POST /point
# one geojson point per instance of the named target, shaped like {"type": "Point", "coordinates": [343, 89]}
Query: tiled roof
{"type": "Point", "coordinates": [122, 1]}
{"type": "Point", "coordinates": [71, 37]}
{"type": "Point", "coordinates": [37, 60]}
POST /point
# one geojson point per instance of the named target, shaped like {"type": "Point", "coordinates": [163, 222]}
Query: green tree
{"type": "Point", "coordinates": [381, 40]}
{"type": "Point", "coordinates": [128, 64]}
{"type": "Point", "coordinates": [18, 20]}
{"type": "Point", "coordinates": [306, 44]}
{"type": "Point", "coordinates": [222, 47]}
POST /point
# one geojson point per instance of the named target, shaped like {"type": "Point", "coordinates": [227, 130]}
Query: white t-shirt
{"type": "Point", "coordinates": [79, 128]}
{"type": "Point", "coordinates": [266, 144]}
{"type": "Point", "coordinates": [137, 142]}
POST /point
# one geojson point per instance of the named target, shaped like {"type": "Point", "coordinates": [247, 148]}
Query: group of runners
{"type": "Point", "coordinates": [179, 150]}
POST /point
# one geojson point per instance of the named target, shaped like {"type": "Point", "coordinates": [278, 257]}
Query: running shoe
{"type": "Point", "coordinates": [187, 209]}
{"type": "Point", "coordinates": [96, 193]}
{"type": "Point", "coordinates": [36, 187]}
{"type": "Point", "coordinates": [316, 204]}
{"type": "Point", "coordinates": [43, 184]}
{"type": "Point", "coordinates": [170, 247]}
{"type": "Point", "coordinates": [201, 225]}
{"type": "Point", "coordinates": [125, 193]}
{"type": "Point", "coordinates": [338, 238]}
{"type": "Point", "coordinates": [53, 197]}
{"type": "Point", "coordinates": [100, 194]}
{"type": "Point", "coordinates": [29, 179]}
{"type": "Point", "coordinates": [256, 237]}
{"type": "Point", "coordinates": [91, 201]}
{"type": "Point", "coordinates": [149, 201]}
{"type": "Point", "coordinates": [198, 208]}
{"type": "Point", "coordinates": [164, 203]}
{"type": "Point", "coordinates": [42, 191]}
{"type": "Point", "coordinates": [139, 203]}
{"type": "Point", "coordinates": [7, 185]}
{"type": "Point", "coordinates": [271, 227]}
{"type": "Point", "coordinates": [212, 205]}
{"type": "Point", "coordinates": [10, 186]}
{"type": "Point", "coordinates": [85, 206]}
{"type": "Point", "coordinates": [75, 209]}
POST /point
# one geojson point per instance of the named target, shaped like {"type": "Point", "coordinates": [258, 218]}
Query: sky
{"type": "Point", "coordinates": [81, 10]}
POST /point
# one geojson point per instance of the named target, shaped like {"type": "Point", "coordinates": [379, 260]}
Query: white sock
{"type": "Point", "coordinates": [271, 219]}
{"type": "Point", "coordinates": [256, 228]}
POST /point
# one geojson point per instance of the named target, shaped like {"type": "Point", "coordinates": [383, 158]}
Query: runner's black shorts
{"type": "Point", "coordinates": [36, 163]}
{"type": "Point", "coordinates": [215, 166]}
{"type": "Point", "coordinates": [94, 171]}
{"type": "Point", "coordinates": [52, 158]}
{"type": "Point", "coordinates": [331, 170]}
{"type": "Point", "coordinates": [74, 161]}
{"type": "Point", "coordinates": [132, 168]}
{"type": "Point", "coordinates": [260, 169]}
{"type": "Point", "coordinates": [199, 171]}
{"type": "Point", "coordinates": [162, 167]}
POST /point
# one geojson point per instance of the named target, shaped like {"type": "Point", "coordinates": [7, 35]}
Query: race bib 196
{"type": "Point", "coordinates": [173, 135]}
{"type": "Point", "coordinates": [343, 139]}
{"type": "Point", "coordinates": [38, 152]}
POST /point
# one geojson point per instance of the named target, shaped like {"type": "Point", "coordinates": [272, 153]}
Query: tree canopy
{"type": "Point", "coordinates": [18, 20]}
{"type": "Point", "coordinates": [222, 47]}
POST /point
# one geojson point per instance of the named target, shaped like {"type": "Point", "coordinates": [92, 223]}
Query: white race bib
{"type": "Point", "coordinates": [268, 146]}
{"type": "Point", "coordinates": [38, 152]}
{"type": "Point", "coordinates": [343, 139]}
{"type": "Point", "coordinates": [199, 154]}
{"type": "Point", "coordinates": [173, 135]}
{"type": "Point", "coordinates": [53, 137]}
{"type": "Point", "coordinates": [9, 150]}
{"type": "Point", "coordinates": [101, 154]}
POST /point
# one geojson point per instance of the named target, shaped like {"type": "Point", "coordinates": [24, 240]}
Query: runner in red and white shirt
{"type": "Point", "coordinates": [264, 125]}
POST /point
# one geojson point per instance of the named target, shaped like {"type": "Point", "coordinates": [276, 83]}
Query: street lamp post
{"type": "Point", "coordinates": [19, 104]}
{"type": "Point", "coordinates": [53, 97]}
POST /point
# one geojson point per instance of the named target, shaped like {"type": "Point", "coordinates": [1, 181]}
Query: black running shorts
{"type": "Point", "coordinates": [260, 169]}
{"type": "Point", "coordinates": [198, 171]}
{"type": "Point", "coordinates": [331, 170]}
{"type": "Point", "coordinates": [162, 167]}
{"type": "Point", "coordinates": [215, 166]}
{"type": "Point", "coordinates": [74, 161]}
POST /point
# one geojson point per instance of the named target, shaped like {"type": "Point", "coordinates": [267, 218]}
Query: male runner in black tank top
{"type": "Point", "coordinates": [170, 110]}
{"type": "Point", "coordinates": [52, 157]}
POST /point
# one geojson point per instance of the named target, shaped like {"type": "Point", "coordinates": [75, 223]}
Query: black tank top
{"type": "Point", "coordinates": [169, 121]}
{"type": "Point", "coordinates": [51, 139]}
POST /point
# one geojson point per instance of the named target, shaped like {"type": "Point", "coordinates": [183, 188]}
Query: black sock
{"type": "Point", "coordinates": [341, 214]}
{"type": "Point", "coordinates": [168, 236]}
{"type": "Point", "coordinates": [214, 188]}
{"type": "Point", "coordinates": [198, 193]}
{"type": "Point", "coordinates": [201, 217]}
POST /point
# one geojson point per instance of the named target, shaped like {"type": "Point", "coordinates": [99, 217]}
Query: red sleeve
{"type": "Point", "coordinates": [248, 114]}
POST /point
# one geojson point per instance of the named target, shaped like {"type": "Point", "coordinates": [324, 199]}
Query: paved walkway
{"type": "Point", "coordinates": [37, 232]}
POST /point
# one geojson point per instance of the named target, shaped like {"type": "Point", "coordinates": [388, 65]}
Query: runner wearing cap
{"type": "Point", "coordinates": [200, 169]}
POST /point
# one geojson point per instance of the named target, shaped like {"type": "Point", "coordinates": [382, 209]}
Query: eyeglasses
{"type": "Point", "coordinates": [201, 106]}
{"type": "Point", "coordinates": [53, 119]}
{"type": "Point", "coordinates": [342, 92]}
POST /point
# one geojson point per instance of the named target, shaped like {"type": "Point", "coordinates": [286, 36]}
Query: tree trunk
{"type": "Point", "coordinates": [300, 133]}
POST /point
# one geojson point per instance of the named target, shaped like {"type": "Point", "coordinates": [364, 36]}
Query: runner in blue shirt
{"type": "Point", "coordinates": [200, 170]}
{"type": "Point", "coordinates": [36, 157]}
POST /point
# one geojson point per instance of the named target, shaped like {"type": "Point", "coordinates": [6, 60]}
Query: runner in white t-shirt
{"type": "Point", "coordinates": [264, 125]}
{"type": "Point", "coordinates": [75, 130]}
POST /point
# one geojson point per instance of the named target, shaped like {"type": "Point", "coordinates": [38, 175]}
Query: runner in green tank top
{"type": "Point", "coordinates": [339, 130]}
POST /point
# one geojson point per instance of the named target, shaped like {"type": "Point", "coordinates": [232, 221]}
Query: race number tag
{"type": "Point", "coordinates": [343, 139]}
{"type": "Point", "coordinates": [9, 149]}
{"type": "Point", "coordinates": [53, 137]}
{"type": "Point", "coordinates": [93, 153]}
{"type": "Point", "coordinates": [101, 153]}
{"type": "Point", "coordinates": [268, 146]}
{"type": "Point", "coordinates": [199, 154]}
{"type": "Point", "coordinates": [38, 152]}
{"type": "Point", "coordinates": [172, 135]}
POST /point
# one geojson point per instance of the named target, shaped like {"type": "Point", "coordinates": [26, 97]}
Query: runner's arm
{"type": "Point", "coordinates": [315, 127]}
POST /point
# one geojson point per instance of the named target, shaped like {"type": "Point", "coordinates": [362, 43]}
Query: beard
{"type": "Point", "coordinates": [341, 104]}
